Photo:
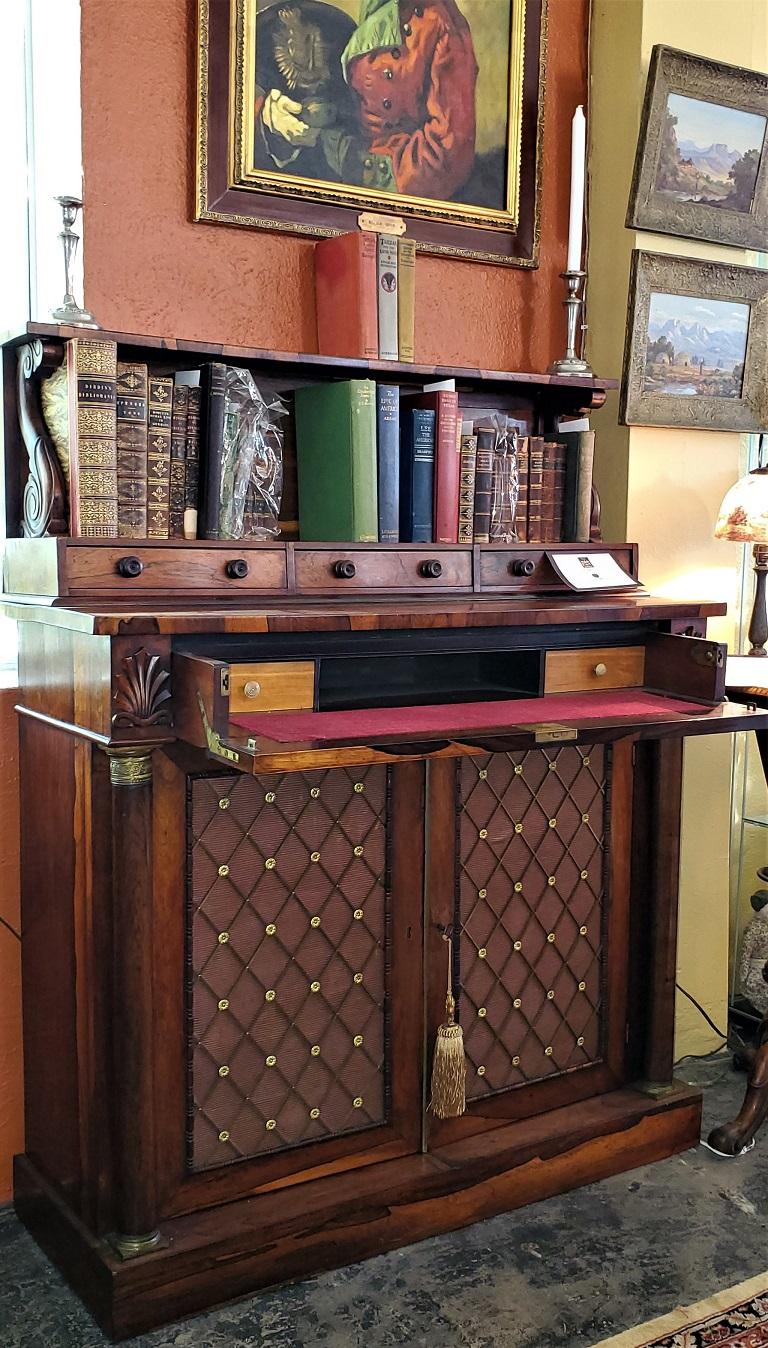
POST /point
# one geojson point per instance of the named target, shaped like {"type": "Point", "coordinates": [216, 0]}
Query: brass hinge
{"type": "Point", "coordinates": [213, 739]}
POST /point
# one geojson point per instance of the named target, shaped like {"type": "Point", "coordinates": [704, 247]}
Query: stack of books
{"type": "Point", "coordinates": [365, 291]}
{"type": "Point", "coordinates": [379, 463]}
{"type": "Point", "coordinates": [143, 451]}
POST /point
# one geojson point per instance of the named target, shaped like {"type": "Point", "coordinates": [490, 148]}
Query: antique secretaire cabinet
{"type": "Point", "coordinates": [261, 782]}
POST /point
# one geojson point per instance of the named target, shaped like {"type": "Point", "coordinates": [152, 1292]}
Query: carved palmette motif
{"type": "Point", "coordinates": [142, 696]}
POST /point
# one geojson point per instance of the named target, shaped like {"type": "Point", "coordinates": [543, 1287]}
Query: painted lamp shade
{"type": "Point", "coordinates": [743, 515]}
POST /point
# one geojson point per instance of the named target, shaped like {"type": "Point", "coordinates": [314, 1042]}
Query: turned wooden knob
{"type": "Point", "coordinates": [252, 688]}
{"type": "Point", "coordinates": [431, 569]}
{"type": "Point", "coordinates": [523, 567]}
{"type": "Point", "coordinates": [601, 669]}
{"type": "Point", "coordinates": [237, 569]}
{"type": "Point", "coordinates": [344, 570]}
{"type": "Point", "coordinates": [130, 567]}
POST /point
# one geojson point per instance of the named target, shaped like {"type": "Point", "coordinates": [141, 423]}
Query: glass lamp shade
{"type": "Point", "coordinates": [743, 515]}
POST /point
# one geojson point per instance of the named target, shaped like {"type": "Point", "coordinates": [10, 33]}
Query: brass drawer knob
{"type": "Point", "coordinates": [237, 569]}
{"type": "Point", "coordinates": [344, 570]}
{"type": "Point", "coordinates": [601, 669]}
{"type": "Point", "coordinates": [252, 688]}
{"type": "Point", "coordinates": [130, 567]}
{"type": "Point", "coordinates": [431, 569]}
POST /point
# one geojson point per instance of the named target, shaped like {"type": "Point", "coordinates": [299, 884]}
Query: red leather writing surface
{"type": "Point", "coordinates": [368, 722]}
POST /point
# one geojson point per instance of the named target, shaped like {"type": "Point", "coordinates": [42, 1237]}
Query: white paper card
{"type": "Point", "coordinates": [591, 571]}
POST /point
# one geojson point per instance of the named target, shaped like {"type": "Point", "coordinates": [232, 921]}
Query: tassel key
{"type": "Point", "coordinates": [449, 1066]}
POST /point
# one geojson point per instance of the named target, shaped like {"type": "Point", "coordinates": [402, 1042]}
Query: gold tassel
{"type": "Point", "coordinates": [449, 1067]}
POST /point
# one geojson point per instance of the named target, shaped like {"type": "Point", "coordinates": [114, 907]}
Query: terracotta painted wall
{"type": "Point", "coordinates": [11, 1120]}
{"type": "Point", "coordinates": [150, 268]}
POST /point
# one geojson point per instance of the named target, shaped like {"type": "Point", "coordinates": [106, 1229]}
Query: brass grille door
{"type": "Point", "coordinates": [290, 982]}
{"type": "Point", "coordinates": [538, 904]}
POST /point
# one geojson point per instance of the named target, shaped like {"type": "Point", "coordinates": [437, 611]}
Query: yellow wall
{"type": "Point", "coordinates": [661, 488]}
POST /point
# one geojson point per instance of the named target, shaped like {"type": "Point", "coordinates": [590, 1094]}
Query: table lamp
{"type": "Point", "coordinates": [743, 518]}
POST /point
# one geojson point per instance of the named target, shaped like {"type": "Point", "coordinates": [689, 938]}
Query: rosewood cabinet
{"type": "Point", "coordinates": [261, 783]}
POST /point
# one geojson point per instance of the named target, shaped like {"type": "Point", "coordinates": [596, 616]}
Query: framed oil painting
{"type": "Point", "coordinates": [311, 112]}
{"type": "Point", "coordinates": [701, 169]}
{"type": "Point", "coordinates": [696, 342]}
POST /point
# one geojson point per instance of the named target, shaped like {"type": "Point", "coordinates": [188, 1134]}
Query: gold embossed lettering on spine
{"type": "Point", "coordinates": [92, 372]}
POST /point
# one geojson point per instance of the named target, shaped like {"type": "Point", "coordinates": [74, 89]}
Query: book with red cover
{"type": "Point", "coordinates": [346, 292]}
{"type": "Point", "coordinates": [559, 510]}
{"type": "Point", "coordinates": [548, 493]}
{"type": "Point", "coordinates": [445, 404]}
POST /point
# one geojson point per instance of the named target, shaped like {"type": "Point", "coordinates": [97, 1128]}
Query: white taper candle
{"type": "Point", "coordinates": [578, 168]}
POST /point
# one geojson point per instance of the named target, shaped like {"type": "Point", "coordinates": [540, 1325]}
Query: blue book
{"type": "Point", "coordinates": [388, 446]}
{"type": "Point", "coordinates": [417, 474]}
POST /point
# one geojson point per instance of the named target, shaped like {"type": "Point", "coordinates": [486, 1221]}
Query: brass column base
{"type": "Point", "coordinates": [132, 1247]}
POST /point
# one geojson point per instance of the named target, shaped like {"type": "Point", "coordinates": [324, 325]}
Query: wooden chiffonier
{"type": "Point", "coordinates": [255, 798]}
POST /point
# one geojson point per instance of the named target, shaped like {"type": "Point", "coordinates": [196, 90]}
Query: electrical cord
{"type": "Point", "coordinates": [707, 1018]}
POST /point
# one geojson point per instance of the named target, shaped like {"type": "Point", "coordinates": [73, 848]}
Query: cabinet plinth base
{"type": "Point", "coordinates": [238, 1248]}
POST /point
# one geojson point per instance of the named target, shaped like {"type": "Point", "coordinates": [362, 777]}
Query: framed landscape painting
{"type": "Point", "coordinates": [696, 341]}
{"type": "Point", "coordinates": [312, 112]}
{"type": "Point", "coordinates": [701, 169]}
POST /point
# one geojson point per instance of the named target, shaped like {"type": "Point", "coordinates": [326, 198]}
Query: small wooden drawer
{"type": "Point", "coordinates": [128, 569]}
{"type": "Point", "coordinates": [411, 568]}
{"type": "Point", "coordinates": [283, 685]}
{"type": "Point", "coordinates": [598, 667]}
{"type": "Point", "coordinates": [526, 568]}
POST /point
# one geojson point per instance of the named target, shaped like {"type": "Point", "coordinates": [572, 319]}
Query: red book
{"type": "Point", "coordinates": [445, 403]}
{"type": "Point", "coordinates": [346, 291]}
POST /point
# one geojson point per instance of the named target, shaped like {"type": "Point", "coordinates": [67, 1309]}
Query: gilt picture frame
{"type": "Point", "coordinates": [701, 168]}
{"type": "Point", "coordinates": [695, 345]}
{"type": "Point", "coordinates": [311, 113]}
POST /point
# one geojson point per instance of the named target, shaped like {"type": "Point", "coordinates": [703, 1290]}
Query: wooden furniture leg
{"type": "Point", "coordinates": [133, 1028]}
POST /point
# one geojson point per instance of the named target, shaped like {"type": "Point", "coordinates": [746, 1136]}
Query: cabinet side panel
{"type": "Point", "coordinates": [531, 885]}
{"type": "Point", "coordinates": [48, 952]}
{"type": "Point", "coordinates": [289, 954]}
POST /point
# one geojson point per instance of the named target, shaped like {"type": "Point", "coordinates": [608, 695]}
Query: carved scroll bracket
{"type": "Point", "coordinates": [142, 696]}
{"type": "Point", "coordinates": [45, 496]}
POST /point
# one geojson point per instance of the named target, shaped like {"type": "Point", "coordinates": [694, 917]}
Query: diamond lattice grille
{"type": "Point", "coordinates": [532, 844]}
{"type": "Point", "coordinates": [288, 879]}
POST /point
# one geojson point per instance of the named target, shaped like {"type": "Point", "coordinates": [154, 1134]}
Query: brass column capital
{"type": "Point", "coordinates": [130, 767]}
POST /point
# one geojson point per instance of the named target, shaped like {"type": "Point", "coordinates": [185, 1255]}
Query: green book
{"type": "Point", "coordinates": [336, 452]}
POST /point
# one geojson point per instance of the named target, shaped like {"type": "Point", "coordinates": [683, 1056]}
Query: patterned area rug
{"type": "Point", "coordinates": [736, 1318]}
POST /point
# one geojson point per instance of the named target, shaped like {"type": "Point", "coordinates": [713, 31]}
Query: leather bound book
{"type": "Point", "coordinates": [548, 492]}
{"type": "Point", "coordinates": [406, 298]}
{"type": "Point", "coordinates": [468, 457]}
{"type": "Point", "coordinates": [346, 282]}
{"type": "Point", "coordinates": [521, 514]}
{"type": "Point", "coordinates": [192, 464]}
{"type": "Point", "coordinates": [91, 376]}
{"type": "Point", "coordinates": [445, 404]}
{"type": "Point", "coordinates": [388, 454]}
{"type": "Point", "coordinates": [131, 450]}
{"type": "Point", "coordinates": [486, 440]}
{"type": "Point", "coordinates": [559, 494]}
{"type": "Point", "coordinates": [579, 451]}
{"type": "Point", "coordinates": [336, 452]}
{"type": "Point", "coordinates": [213, 399]}
{"type": "Point", "coordinates": [535, 482]}
{"type": "Point", "coordinates": [159, 454]}
{"type": "Point", "coordinates": [417, 469]}
{"type": "Point", "coordinates": [178, 482]}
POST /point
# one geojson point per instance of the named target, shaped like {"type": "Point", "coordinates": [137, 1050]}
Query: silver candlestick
{"type": "Point", "coordinates": [69, 311]}
{"type": "Point", "coordinates": [571, 362]}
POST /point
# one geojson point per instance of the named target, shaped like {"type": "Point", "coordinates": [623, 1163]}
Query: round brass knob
{"type": "Point", "coordinates": [344, 570]}
{"type": "Point", "coordinates": [237, 569]}
{"type": "Point", "coordinates": [523, 566]}
{"type": "Point", "coordinates": [600, 669]}
{"type": "Point", "coordinates": [431, 569]}
{"type": "Point", "coordinates": [130, 567]}
{"type": "Point", "coordinates": [252, 688]}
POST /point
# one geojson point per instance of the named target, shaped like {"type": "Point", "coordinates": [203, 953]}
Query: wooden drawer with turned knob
{"type": "Point", "coordinates": [338, 568]}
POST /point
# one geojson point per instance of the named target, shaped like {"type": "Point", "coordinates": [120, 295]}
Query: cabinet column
{"type": "Point", "coordinates": [136, 1199]}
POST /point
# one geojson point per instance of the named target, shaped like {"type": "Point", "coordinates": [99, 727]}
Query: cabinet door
{"type": "Point", "coordinates": [530, 867]}
{"type": "Point", "coordinates": [303, 908]}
